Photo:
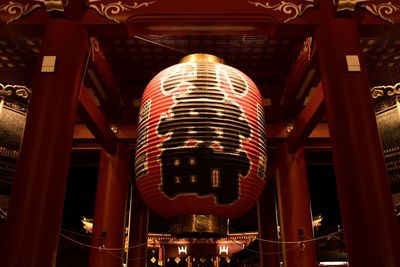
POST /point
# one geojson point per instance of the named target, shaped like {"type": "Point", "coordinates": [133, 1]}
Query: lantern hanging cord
{"type": "Point", "coordinates": [159, 44]}
{"type": "Point", "coordinates": [100, 247]}
{"type": "Point", "coordinates": [297, 241]}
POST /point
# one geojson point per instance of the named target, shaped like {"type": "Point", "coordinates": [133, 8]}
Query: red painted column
{"type": "Point", "coordinates": [268, 228]}
{"type": "Point", "coordinates": [294, 209]}
{"type": "Point", "coordinates": [138, 232]}
{"type": "Point", "coordinates": [372, 236]}
{"type": "Point", "coordinates": [109, 214]}
{"type": "Point", "coordinates": [36, 206]}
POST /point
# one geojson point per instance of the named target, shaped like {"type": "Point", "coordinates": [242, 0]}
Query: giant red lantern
{"type": "Point", "coordinates": [201, 152]}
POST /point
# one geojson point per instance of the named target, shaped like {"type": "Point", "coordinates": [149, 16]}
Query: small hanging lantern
{"type": "Point", "coordinates": [201, 149]}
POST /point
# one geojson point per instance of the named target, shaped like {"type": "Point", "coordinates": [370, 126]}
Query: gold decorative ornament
{"type": "Point", "coordinates": [15, 97]}
{"type": "Point", "coordinates": [289, 127]}
{"type": "Point", "coordinates": [22, 92]}
{"type": "Point", "coordinates": [375, 92]}
{"type": "Point", "coordinates": [17, 10]}
{"type": "Point", "coordinates": [18, 90]}
{"type": "Point", "coordinates": [347, 4]}
{"type": "Point", "coordinates": [112, 10]}
{"type": "Point", "coordinates": [114, 128]}
{"type": "Point", "coordinates": [202, 58]}
{"type": "Point", "coordinates": [382, 10]}
{"type": "Point", "coordinates": [4, 91]}
{"type": "Point", "coordinates": [54, 5]}
{"type": "Point", "coordinates": [394, 91]}
{"type": "Point", "coordinates": [288, 8]}
{"type": "Point", "coordinates": [391, 90]}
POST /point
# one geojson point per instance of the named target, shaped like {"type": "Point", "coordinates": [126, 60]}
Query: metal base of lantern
{"type": "Point", "coordinates": [199, 226]}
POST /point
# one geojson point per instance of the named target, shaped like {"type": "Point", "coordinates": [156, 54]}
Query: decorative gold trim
{"type": "Point", "coordinates": [4, 91]}
{"type": "Point", "coordinates": [382, 10]}
{"type": "Point", "coordinates": [199, 57]}
{"type": "Point", "coordinates": [54, 5]}
{"type": "Point", "coordinates": [347, 4]}
{"type": "Point", "coordinates": [111, 10]}
{"type": "Point", "coordinates": [288, 8]}
{"type": "Point", "coordinates": [18, 90]}
{"type": "Point", "coordinates": [391, 90]}
{"type": "Point", "coordinates": [22, 92]}
{"type": "Point", "coordinates": [394, 91]}
{"type": "Point", "coordinates": [376, 93]}
{"type": "Point", "coordinates": [18, 10]}
{"type": "Point", "coordinates": [16, 97]}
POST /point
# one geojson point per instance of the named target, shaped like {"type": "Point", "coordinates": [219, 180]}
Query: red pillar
{"type": "Point", "coordinates": [37, 199]}
{"type": "Point", "coordinates": [371, 233]}
{"type": "Point", "coordinates": [138, 232]}
{"type": "Point", "coordinates": [109, 214]}
{"type": "Point", "coordinates": [294, 209]}
{"type": "Point", "coordinates": [268, 228]}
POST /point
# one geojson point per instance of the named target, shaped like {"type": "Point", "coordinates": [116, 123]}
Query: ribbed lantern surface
{"type": "Point", "coordinates": [201, 141]}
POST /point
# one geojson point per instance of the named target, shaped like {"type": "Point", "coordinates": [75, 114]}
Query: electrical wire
{"type": "Point", "coordinates": [297, 241]}
{"type": "Point", "coordinates": [159, 44]}
{"type": "Point", "coordinates": [302, 241]}
{"type": "Point", "coordinates": [115, 256]}
{"type": "Point", "coordinates": [265, 253]}
{"type": "Point", "coordinates": [297, 244]}
{"type": "Point", "coordinates": [107, 250]}
{"type": "Point", "coordinates": [100, 247]}
{"type": "Point", "coordinates": [79, 234]}
{"type": "Point", "coordinates": [121, 258]}
{"type": "Point", "coordinates": [80, 243]}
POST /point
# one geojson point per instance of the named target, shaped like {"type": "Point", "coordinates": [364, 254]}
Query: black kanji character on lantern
{"type": "Point", "coordinates": [203, 153]}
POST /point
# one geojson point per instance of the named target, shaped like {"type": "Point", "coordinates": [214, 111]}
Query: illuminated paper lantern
{"type": "Point", "coordinates": [201, 149]}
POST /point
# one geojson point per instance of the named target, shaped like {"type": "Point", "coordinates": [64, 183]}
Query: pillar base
{"type": "Point", "coordinates": [199, 226]}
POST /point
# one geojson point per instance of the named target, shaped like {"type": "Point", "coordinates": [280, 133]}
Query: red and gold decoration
{"type": "Point", "coordinates": [387, 108]}
{"type": "Point", "coordinates": [289, 10]}
{"type": "Point", "coordinates": [386, 10]}
{"type": "Point", "coordinates": [201, 144]}
{"type": "Point", "coordinates": [164, 249]}
{"type": "Point", "coordinates": [13, 107]}
{"type": "Point", "coordinates": [14, 10]}
{"type": "Point", "coordinates": [116, 11]}
{"type": "Point", "coordinates": [347, 4]}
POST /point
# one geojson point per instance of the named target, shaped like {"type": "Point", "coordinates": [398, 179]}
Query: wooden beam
{"type": "Point", "coordinates": [307, 120]}
{"type": "Point", "coordinates": [300, 80]}
{"type": "Point", "coordinates": [96, 122]}
{"type": "Point", "coordinates": [276, 133]}
{"type": "Point", "coordinates": [125, 132]}
{"type": "Point", "coordinates": [104, 85]}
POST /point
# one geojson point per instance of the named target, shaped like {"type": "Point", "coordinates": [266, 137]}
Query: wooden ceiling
{"type": "Point", "coordinates": [136, 60]}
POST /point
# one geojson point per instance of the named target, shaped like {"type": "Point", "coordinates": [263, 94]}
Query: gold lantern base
{"type": "Point", "coordinates": [199, 226]}
{"type": "Point", "coordinates": [200, 57]}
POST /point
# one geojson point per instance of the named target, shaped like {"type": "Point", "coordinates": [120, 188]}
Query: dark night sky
{"type": "Point", "coordinates": [323, 194]}
{"type": "Point", "coordinates": [81, 191]}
